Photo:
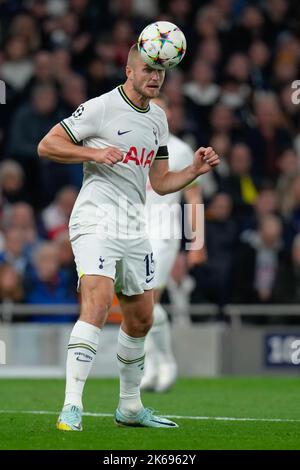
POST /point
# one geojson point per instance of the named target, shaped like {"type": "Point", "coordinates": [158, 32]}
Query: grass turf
{"type": "Point", "coordinates": [225, 397]}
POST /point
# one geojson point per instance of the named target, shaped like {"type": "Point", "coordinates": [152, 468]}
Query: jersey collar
{"type": "Point", "coordinates": [128, 101]}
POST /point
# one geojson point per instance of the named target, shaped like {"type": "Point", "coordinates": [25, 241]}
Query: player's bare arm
{"type": "Point", "coordinates": [164, 181]}
{"type": "Point", "coordinates": [58, 146]}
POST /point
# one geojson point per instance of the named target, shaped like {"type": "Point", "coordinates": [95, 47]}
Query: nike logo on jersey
{"type": "Point", "coordinates": [83, 360]}
{"type": "Point", "coordinates": [149, 280]}
{"type": "Point", "coordinates": [124, 132]}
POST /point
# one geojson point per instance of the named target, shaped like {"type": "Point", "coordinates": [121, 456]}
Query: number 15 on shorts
{"type": "Point", "coordinates": [149, 265]}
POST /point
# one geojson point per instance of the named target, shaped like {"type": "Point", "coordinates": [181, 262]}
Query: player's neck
{"type": "Point", "coordinates": [139, 100]}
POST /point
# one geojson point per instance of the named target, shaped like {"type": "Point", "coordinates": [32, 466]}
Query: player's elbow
{"type": "Point", "coordinates": [159, 191]}
{"type": "Point", "coordinates": [157, 185]}
{"type": "Point", "coordinates": [42, 148]}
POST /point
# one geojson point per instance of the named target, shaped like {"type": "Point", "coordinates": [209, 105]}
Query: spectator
{"type": "Point", "coordinates": [201, 92]}
{"type": "Point", "coordinates": [16, 68]}
{"type": "Point", "coordinates": [259, 56]}
{"type": "Point", "coordinates": [214, 276]}
{"type": "Point", "coordinates": [24, 25]}
{"type": "Point", "coordinates": [250, 27]}
{"type": "Point", "coordinates": [276, 15]}
{"type": "Point", "coordinates": [73, 93]}
{"type": "Point", "coordinates": [61, 57]}
{"type": "Point", "coordinates": [123, 38]}
{"type": "Point", "coordinates": [43, 72]}
{"type": "Point", "coordinates": [133, 11]}
{"type": "Point", "coordinates": [287, 284]}
{"type": "Point", "coordinates": [66, 257]}
{"type": "Point", "coordinates": [292, 209]}
{"type": "Point", "coordinates": [14, 251]}
{"type": "Point", "coordinates": [12, 182]}
{"type": "Point", "coordinates": [289, 167]}
{"type": "Point", "coordinates": [40, 10]}
{"type": "Point", "coordinates": [46, 283]}
{"type": "Point", "coordinates": [238, 67]}
{"type": "Point", "coordinates": [210, 51]}
{"type": "Point", "coordinates": [240, 184]}
{"type": "Point", "coordinates": [11, 288]}
{"type": "Point", "coordinates": [105, 49]}
{"type": "Point", "coordinates": [285, 65]}
{"type": "Point", "coordinates": [20, 216]}
{"type": "Point", "coordinates": [98, 79]}
{"type": "Point", "coordinates": [173, 88]}
{"type": "Point", "coordinates": [266, 203]}
{"type": "Point", "coordinates": [257, 263]}
{"type": "Point", "coordinates": [56, 216]}
{"type": "Point", "coordinates": [31, 122]}
{"type": "Point", "coordinates": [181, 13]}
{"type": "Point", "coordinates": [180, 126]}
{"type": "Point", "coordinates": [268, 140]}
{"type": "Point", "coordinates": [222, 121]}
{"type": "Point", "coordinates": [207, 22]}
{"type": "Point", "coordinates": [211, 182]}
{"type": "Point", "coordinates": [234, 94]}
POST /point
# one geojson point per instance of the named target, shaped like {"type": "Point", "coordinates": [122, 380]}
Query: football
{"type": "Point", "coordinates": [162, 45]}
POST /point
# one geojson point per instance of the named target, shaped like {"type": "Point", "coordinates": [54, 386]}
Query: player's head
{"type": "Point", "coordinates": [144, 80]}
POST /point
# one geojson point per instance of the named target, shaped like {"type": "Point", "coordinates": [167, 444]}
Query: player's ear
{"type": "Point", "coordinates": [129, 72]}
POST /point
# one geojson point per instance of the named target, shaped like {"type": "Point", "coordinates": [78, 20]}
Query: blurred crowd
{"type": "Point", "coordinates": [233, 91]}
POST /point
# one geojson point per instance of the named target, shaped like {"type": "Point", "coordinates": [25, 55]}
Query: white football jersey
{"type": "Point", "coordinates": [163, 212]}
{"type": "Point", "coordinates": [108, 194]}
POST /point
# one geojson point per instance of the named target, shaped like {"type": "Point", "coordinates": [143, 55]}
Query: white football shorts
{"type": "Point", "coordinates": [164, 253]}
{"type": "Point", "coordinates": [128, 262]}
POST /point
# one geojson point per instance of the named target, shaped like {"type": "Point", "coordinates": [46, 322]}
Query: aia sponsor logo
{"type": "Point", "coordinates": [144, 159]}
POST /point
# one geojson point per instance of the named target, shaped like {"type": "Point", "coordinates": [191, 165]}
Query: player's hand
{"type": "Point", "coordinates": [109, 155]}
{"type": "Point", "coordinates": [205, 159]}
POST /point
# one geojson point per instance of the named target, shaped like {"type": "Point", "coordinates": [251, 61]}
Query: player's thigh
{"type": "Point", "coordinates": [97, 293]}
{"type": "Point", "coordinates": [95, 260]}
{"type": "Point", "coordinates": [137, 313]}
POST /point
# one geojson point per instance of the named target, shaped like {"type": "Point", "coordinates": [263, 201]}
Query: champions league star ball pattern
{"type": "Point", "coordinates": [162, 45]}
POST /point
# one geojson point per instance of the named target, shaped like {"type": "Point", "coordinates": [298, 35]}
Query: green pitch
{"type": "Point", "coordinates": [254, 404]}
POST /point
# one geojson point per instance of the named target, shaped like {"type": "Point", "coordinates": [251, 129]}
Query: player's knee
{"type": "Point", "coordinates": [95, 310]}
{"type": "Point", "coordinates": [144, 324]}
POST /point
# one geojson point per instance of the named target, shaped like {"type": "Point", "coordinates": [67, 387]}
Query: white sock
{"type": "Point", "coordinates": [160, 336]}
{"type": "Point", "coordinates": [82, 351]}
{"type": "Point", "coordinates": [151, 360]}
{"type": "Point", "coordinates": [131, 358]}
